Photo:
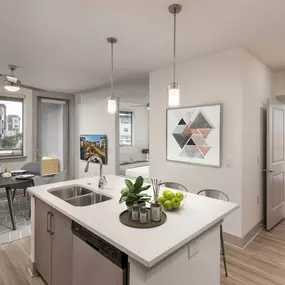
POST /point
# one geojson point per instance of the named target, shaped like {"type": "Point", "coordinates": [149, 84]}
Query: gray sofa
{"type": "Point", "coordinates": [131, 160]}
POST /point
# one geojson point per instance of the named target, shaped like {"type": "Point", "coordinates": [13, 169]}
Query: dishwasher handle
{"type": "Point", "coordinates": [90, 243]}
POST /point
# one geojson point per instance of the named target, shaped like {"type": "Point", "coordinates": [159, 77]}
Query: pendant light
{"type": "Point", "coordinates": [173, 88]}
{"type": "Point", "coordinates": [112, 100]}
{"type": "Point", "coordinates": [12, 83]}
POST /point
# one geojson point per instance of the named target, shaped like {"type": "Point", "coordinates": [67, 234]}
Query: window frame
{"type": "Point", "coordinates": [20, 99]}
{"type": "Point", "coordinates": [132, 130]}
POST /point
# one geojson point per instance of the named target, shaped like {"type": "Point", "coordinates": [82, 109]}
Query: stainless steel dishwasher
{"type": "Point", "coordinates": [96, 262]}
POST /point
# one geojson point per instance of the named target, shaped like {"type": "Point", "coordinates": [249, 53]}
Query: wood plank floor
{"type": "Point", "coordinates": [261, 263]}
{"type": "Point", "coordinates": [14, 263]}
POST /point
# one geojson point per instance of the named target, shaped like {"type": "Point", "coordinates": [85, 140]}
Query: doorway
{"type": "Point", "coordinates": [53, 135]}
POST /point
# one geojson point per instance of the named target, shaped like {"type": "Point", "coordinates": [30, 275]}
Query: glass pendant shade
{"type": "Point", "coordinates": [11, 87]}
{"type": "Point", "coordinates": [12, 84]}
{"type": "Point", "coordinates": [173, 94]}
{"type": "Point", "coordinates": [112, 105]}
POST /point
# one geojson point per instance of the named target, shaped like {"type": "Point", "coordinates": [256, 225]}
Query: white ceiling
{"type": "Point", "coordinates": [61, 44]}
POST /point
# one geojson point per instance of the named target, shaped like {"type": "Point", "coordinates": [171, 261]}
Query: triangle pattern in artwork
{"type": "Point", "coordinates": [179, 129]}
{"type": "Point", "coordinates": [201, 122]}
{"type": "Point", "coordinates": [191, 151]}
{"type": "Point", "coordinates": [187, 131]}
{"type": "Point", "coordinates": [204, 149]}
{"type": "Point", "coordinates": [205, 132]}
{"type": "Point", "coordinates": [191, 142]}
{"type": "Point", "coordinates": [182, 122]}
{"type": "Point", "coordinates": [181, 139]}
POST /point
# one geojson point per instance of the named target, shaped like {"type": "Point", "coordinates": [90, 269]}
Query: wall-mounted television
{"type": "Point", "coordinates": [93, 144]}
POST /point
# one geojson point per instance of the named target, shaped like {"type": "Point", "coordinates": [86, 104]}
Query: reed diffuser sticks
{"type": "Point", "coordinates": [156, 187]}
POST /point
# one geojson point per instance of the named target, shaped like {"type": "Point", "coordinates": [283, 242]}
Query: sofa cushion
{"type": "Point", "coordinates": [125, 159]}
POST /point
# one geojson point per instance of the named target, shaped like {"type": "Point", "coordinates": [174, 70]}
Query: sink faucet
{"type": "Point", "coordinates": [102, 179]}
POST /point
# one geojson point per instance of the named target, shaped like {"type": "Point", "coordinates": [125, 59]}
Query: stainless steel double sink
{"type": "Point", "coordinates": [78, 196]}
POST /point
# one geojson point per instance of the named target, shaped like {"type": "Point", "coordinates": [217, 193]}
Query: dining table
{"type": "Point", "coordinates": [13, 183]}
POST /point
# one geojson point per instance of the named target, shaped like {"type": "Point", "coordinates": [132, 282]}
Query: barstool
{"type": "Point", "coordinates": [174, 185]}
{"type": "Point", "coordinates": [219, 195]}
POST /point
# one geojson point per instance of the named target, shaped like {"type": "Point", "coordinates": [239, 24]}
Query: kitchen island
{"type": "Point", "coordinates": [185, 250]}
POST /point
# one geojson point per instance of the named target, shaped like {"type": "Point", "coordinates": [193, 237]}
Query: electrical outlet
{"type": "Point", "coordinates": [257, 200]}
{"type": "Point", "coordinates": [193, 248]}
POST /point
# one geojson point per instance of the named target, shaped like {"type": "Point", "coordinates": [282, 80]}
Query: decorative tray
{"type": "Point", "coordinates": [126, 219]}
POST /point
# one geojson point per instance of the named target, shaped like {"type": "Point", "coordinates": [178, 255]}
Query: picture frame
{"type": "Point", "coordinates": [193, 135]}
{"type": "Point", "coordinates": [94, 145]}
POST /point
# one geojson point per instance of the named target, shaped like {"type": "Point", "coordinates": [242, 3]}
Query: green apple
{"type": "Point", "coordinates": [170, 195]}
{"type": "Point", "coordinates": [161, 200]}
{"type": "Point", "coordinates": [164, 193]}
{"type": "Point", "coordinates": [167, 205]}
{"type": "Point", "coordinates": [180, 196]}
{"type": "Point", "coordinates": [175, 203]}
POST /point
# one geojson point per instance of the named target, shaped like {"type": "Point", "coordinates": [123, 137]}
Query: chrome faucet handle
{"type": "Point", "coordinates": [102, 182]}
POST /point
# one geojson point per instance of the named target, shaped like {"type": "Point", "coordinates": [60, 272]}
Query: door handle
{"type": "Point", "coordinates": [51, 223]}
{"type": "Point", "coordinates": [48, 221]}
{"type": "Point", "coordinates": [269, 170]}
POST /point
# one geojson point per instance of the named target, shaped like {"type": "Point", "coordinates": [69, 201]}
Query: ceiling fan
{"type": "Point", "coordinates": [11, 82]}
{"type": "Point", "coordinates": [142, 106]}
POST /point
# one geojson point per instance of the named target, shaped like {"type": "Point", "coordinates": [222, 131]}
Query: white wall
{"type": "Point", "coordinates": [257, 88]}
{"type": "Point", "coordinates": [207, 80]}
{"type": "Point", "coordinates": [140, 126]}
{"type": "Point", "coordinates": [242, 84]}
{"type": "Point", "coordinates": [93, 119]}
{"type": "Point", "coordinates": [279, 83]}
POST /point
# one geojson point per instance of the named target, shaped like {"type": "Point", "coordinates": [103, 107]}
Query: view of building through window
{"type": "Point", "coordinates": [126, 128]}
{"type": "Point", "coordinates": [11, 127]}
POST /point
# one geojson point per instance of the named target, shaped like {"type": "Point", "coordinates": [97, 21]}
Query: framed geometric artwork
{"type": "Point", "coordinates": [194, 135]}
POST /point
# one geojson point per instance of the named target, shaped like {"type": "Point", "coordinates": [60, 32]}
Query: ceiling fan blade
{"type": "Point", "coordinates": [31, 87]}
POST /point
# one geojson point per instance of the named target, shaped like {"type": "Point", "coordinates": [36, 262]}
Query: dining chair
{"type": "Point", "coordinates": [174, 185]}
{"type": "Point", "coordinates": [219, 195]}
{"type": "Point", "coordinates": [33, 167]}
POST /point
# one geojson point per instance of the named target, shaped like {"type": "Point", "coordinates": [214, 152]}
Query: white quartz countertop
{"type": "Point", "coordinates": [147, 246]}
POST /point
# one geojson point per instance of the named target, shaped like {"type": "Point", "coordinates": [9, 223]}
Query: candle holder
{"type": "Point", "coordinates": [155, 207]}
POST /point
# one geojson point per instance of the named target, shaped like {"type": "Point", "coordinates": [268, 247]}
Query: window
{"type": "Point", "coordinates": [126, 128]}
{"type": "Point", "coordinates": [11, 126]}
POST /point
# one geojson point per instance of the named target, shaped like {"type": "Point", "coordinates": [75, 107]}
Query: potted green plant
{"type": "Point", "coordinates": [133, 193]}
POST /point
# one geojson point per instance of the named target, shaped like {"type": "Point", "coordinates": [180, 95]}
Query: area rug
{"type": "Point", "coordinates": [23, 224]}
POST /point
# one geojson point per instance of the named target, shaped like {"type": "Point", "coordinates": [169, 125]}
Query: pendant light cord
{"type": "Point", "coordinates": [174, 47]}
{"type": "Point", "coordinates": [112, 69]}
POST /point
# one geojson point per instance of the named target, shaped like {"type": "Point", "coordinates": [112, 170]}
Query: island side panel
{"type": "Point", "coordinates": [178, 268]}
{"type": "Point", "coordinates": [32, 268]}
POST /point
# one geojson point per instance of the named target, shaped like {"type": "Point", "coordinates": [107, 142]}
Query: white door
{"type": "Point", "coordinates": [53, 135]}
{"type": "Point", "coordinates": [275, 165]}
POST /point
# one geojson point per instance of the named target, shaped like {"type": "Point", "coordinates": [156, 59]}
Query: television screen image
{"type": "Point", "coordinates": [93, 144]}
